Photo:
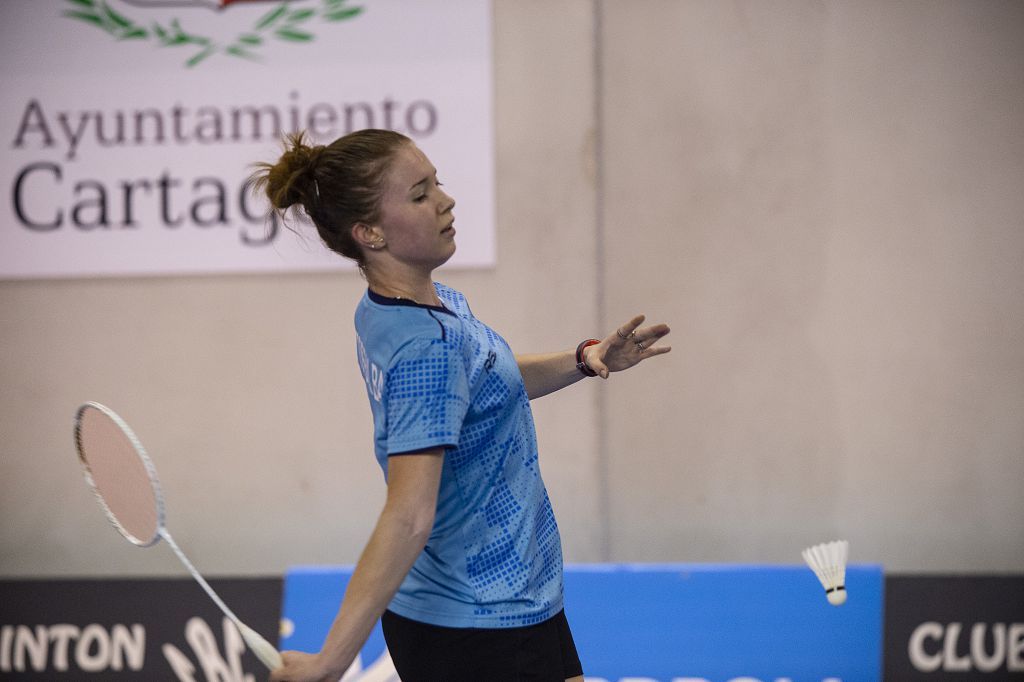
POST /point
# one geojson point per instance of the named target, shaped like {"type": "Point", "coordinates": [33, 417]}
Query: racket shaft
{"type": "Point", "coordinates": [264, 650]}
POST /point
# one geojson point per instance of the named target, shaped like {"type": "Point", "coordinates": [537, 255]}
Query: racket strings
{"type": "Point", "coordinates": [117, 470]}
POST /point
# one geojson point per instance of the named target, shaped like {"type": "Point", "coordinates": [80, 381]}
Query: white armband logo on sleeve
{"type": "Point", "coordinates": [372, 374]}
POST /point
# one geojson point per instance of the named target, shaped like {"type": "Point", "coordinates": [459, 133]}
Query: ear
{"type": "Point", "coordinates": [368, 237]}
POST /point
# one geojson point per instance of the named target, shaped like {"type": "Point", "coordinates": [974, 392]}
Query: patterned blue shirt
{"type": "Point", "coordinates": [437, 376]}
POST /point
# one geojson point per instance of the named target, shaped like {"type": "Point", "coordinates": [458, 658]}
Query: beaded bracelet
{"type": "Point", "coordinates": [581, 364]}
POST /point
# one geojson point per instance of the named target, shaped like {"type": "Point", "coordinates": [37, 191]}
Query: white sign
{"type": "Point", "coordinates": [131, 126]}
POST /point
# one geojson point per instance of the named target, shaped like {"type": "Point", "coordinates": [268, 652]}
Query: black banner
{"type": "Point", "coordinates": [954, 628]}
{"type": "Point", "coordinates": [146, 629]}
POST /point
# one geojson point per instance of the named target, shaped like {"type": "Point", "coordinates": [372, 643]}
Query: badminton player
{"type": "Point", "coordinates": [464, 566]}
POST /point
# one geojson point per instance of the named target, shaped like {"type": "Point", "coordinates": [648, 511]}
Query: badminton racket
{"type": "Point", "coordinates": [124, 480]}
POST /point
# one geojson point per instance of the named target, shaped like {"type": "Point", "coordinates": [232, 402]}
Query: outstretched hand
{"type": "Point", "coordinates": [626, 346]}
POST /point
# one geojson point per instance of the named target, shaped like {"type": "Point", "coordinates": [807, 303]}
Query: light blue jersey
{"type": "Point", "coordinates": [440, 377]}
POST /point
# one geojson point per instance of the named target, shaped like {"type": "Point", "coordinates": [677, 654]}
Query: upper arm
{"type": "Point", "coordinates": [413, 482]}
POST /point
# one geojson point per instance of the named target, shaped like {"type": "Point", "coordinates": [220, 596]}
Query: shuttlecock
{"type": "Point", "coordinates": [828, 561]}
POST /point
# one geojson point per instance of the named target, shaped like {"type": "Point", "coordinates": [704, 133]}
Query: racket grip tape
{"type": "Point", "coordinates": [264, 650]}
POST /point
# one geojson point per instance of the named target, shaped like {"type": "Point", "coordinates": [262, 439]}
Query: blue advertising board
{"type": "Point", "coordinates": [667, 623]}
{"type": "Point", "coordinates": [664, 623]}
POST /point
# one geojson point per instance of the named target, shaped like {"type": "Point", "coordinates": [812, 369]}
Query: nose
{"type": "Point", "coordinates": [448, 203]}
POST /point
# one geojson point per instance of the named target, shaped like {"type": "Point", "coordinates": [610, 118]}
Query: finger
{"type": "Point", "coordinates": [624, 331]}
{"type": "Point", "coordinates": [280, 674]}
{"type": "Point", "coordinates": [655, 351]}
{"type": "Point", "coordinates": [650, 335]}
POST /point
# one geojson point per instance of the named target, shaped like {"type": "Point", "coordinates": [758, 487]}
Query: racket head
{"type": "Point", "coordinates": [120, 473]}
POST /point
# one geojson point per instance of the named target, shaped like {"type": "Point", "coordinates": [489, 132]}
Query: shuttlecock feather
{"type": "Point", "coordinates": [828, 561]}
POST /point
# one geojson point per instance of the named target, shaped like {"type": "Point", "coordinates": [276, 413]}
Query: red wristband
{"type": "Point", "coordinates": [581, 364]}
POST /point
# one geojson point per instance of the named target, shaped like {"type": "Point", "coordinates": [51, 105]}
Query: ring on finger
{"type": "Point", "coordinates": [622, 336]}
{"type": "Point", "coordinates": [640, 345]}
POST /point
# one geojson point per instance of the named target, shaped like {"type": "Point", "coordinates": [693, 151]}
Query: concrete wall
{"type": "Point", "coordinates": [822, 198]}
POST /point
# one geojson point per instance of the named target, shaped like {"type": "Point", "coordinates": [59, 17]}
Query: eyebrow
{"type": "Point", "coordinates": [415, 185]}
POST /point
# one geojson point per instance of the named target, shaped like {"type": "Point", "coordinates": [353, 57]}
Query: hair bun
{"type": "Point", "coordinates": [291, 181]}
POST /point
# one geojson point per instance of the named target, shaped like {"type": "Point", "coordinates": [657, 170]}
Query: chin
{"type": "Point", "coordinates": [449, 257]}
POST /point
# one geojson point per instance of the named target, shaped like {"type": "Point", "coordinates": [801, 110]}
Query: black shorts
{"type": "Point", "coordinates": [543, 652]}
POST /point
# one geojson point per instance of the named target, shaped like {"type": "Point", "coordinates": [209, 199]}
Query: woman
{"type": "Point", "coordinates": [464, 566]}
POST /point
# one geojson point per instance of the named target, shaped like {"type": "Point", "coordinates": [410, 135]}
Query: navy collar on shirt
{"type": "Point", "coordinates": [388, 300]}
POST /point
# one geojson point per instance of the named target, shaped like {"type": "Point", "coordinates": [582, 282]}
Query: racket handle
{"type": "Point", "coordinates": [264, 650]}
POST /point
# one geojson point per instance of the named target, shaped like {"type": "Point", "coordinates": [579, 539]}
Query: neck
{"type": "Point", "coordinates": [416, 287]}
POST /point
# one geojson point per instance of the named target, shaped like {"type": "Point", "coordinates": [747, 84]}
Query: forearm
{"type": "Point", "coordinates": [393, 547]}
{"type": "Point", "coordinates": [545, 373]}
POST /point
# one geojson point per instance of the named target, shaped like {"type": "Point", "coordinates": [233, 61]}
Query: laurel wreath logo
{"type": "Point", "coordinates": [280, 23]}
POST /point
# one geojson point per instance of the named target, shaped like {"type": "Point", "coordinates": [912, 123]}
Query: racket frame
{"type": "Point", "coordinates": [140, 451]}
{"type": "Point", "coordinates": [266, 652]}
